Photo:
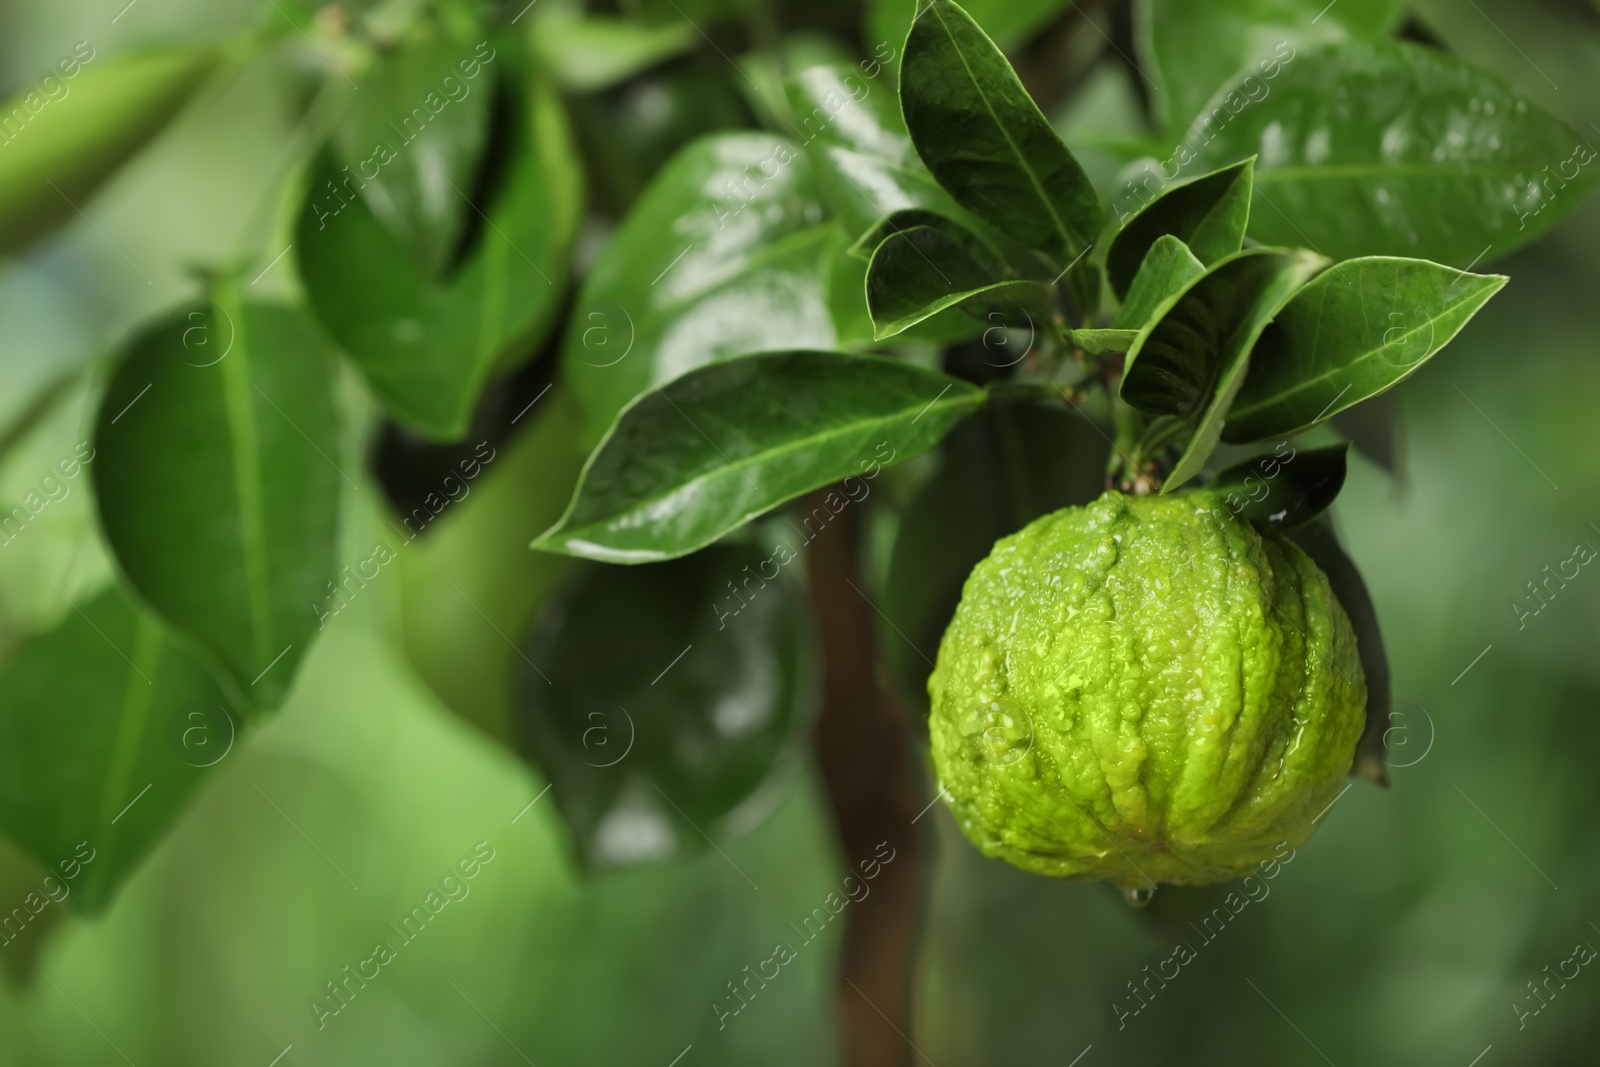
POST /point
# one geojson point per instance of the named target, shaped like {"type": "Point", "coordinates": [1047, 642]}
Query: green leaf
{"type": "Point", "coordinates": [1101, 342]}
{"type": "Point", "coordinates": [986, 141]}
{"type": "Point", "coordinates": [1167, 269]}
{"type": "Point", "coordinates": [1007, 21]}
{"type": "Point", "coordinates": [585, 53]}
{"type": "Point", "coordinates": [917, 273]}
{"type": "Point", "coordinates": [67, 133]}
{"type": "Point", "coordinates": [107, 726]}
{"type": "Point", "coordinates": [1318, 540]}
{"type": "Point", "coordinates": [996, 472]}
{"type": "Point", "coordinates": [427, 347]}
{"type": "Point", "coordinates": [851, 128]}
{"type": "Point", "coordinates": [1395, 149]}
{"type": "Point", "coordinates": [1356, 330]}
{"type": "Point", "coordinates": [1190, 362]}
{"type": "Point", "coordinates": [1284, 489]}
{"type": "Point", "coordinates": [710, 451]}
{"type": "Point", "coordinates": [687, 737]}
{"type": "Point", "coordinates": [413, 140]}
{"type": "Point", "coordinates": [722, 256]}
{"type": "Point", "coordinates": [214, 468]}
{"type": "Point", "coordinates": [1208, 214]}
{"type": "Point", "coordinates": [1193, 48]}
{"type": "Point", "coordinates": [900, 221]}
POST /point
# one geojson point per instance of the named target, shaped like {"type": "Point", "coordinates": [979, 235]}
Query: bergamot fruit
{"type": "Point", "coordinates": [1146, 689]}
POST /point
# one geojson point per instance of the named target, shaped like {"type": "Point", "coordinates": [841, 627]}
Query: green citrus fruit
{"type": "Point", "coordinates": [1147, 689]}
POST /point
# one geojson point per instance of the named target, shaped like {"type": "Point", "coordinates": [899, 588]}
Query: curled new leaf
{"type": "Point", "coordinates": [1208, 214]}
{"type": "Point", "coordinates": [917, 273]}
{"type": "Point", "coordinates": [1190, 362]}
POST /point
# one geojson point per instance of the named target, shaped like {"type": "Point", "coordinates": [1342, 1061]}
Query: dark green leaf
{"type": "Point", "coordinates": [1319, 541]}
{"type": "Point", "coordinates": [62, 138]}
{"type": "Point", "coordinates": [985, 139]}
{"type": "Point", "coordinates": [425, 347]}
{"type": "Point", "coordinates": [919, 272]}
{"type": "Point", "coordinates": [413, 140]}
{"type": "Point", "coordinates": [900, 221]}
{"type": "Point", "coordinates": [1207, 214]}
{"type": "Point", "coordinates": [1284, 489]}
{"type": "Point", "coordinates": [1100, 342]}
{"type": "Point", "coordinates": [710, 451]}
{"type": "Point", "coordinates": [214, 467]}
{"type": "Point", "coordinates": [1190, 362]}
{"type": "Point", "coordinates": [846, 276]}
{"type": "Point", "coordinates": [1194, 48]}
{"type": "Point", "coordinates": [106, 727]}
{"type": "Point", "coordinates": [1394, 149]}
{"type": "Point", "coordinates": [996, 472]}
{"type": "Point", "coordinates": [851, 127]}
{"type": "Point", "coordinates": [1356, 330]}
{"type": "Point", "coordinates": [722, 256]}
{"type": "Point", "coordinates": [1167, 269]}
{"type": "Point", "coordinates": [687, 735]}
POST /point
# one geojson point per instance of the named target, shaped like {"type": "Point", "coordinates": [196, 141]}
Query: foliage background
{"type": "Point", "coordinates": [1402, 935]}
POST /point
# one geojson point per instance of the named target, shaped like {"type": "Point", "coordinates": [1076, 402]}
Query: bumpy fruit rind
{"type": "Point", "coordinates": [1145, 689]}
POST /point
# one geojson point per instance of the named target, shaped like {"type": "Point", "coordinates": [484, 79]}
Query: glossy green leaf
{"type": "Point", "coordinates": [851, 128]}
{"type": "Point", "coordinates": [1356, 330]}
{"type": "Point", "coordinates": [996, 472]}
{"type": "Point", "coordinates": [413, 140]}
{"type": "Point", "coordinates": [917, 273]}
{"type": "Point", "coordinates": [1191, 48]}
{"type": "Point", "coordinates": [847, 288]}
{"type": "Point", "coordinates": [214, 468]}
{"type": "Point", "coordinates": [1207, 214]}
{"type": "Point", "coordinates": [985, 140]}
{"type": "Point", "coordinates": [70, 131]}
{"type": "Point", "coordinates": [426, 347]}
{"type": "Point", "coordinates": [722, 256]}
{"type": "Point", "coordinates": [1394, 149]}
{"type": "Point", "coordinates": [1284, 489]}
{"type": "Point", "coordinates": [1007, 21]}
{"type": "Point", "coordinates": [1190, 362]}
{"type": "Point", "coordinates": [688, 736]}
{"type": "Point", "coordinates": [1167, 269]}
{"type": "Point", "coordinates": [1319, 541]}
{"type": "Point", "coordinates": [107, 726]}
{"type": "Point", "coordinates": [710, 451]}
{"type": "Point", "coordinates": [1101, 342]}
{"type": "Point", "coordinates": [899, 221]}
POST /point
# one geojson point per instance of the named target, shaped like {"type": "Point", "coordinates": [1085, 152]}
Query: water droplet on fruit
{"type": "Point", "coordinates": [1139, 895]}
